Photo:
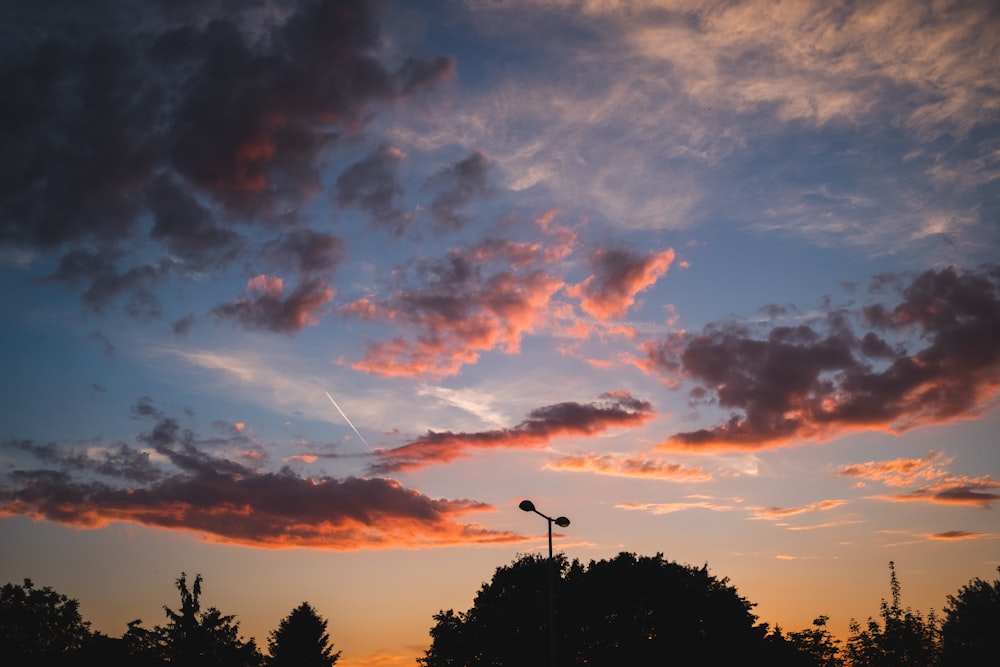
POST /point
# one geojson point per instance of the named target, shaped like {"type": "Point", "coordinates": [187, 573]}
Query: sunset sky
{"type": "Point", "coordinates": [307, 296]}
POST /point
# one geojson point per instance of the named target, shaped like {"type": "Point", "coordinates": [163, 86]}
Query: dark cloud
{"type": "Point", "coordinates": [206, 116]}
{"type": "Point", "coordinates": [265, 306]}
{"type": "Point", "coordinates": [120, 460]}
{"type": "Point", "coordinates": [570, 419]}
{"type": "Point", "coordinates": [456, 186]}
{"type": "Point", "coordinates": [187, 228]}
{"type": "Point", "coordinates": [813, 380]}
{"type": "Point", "coordinates": [105, 282]}
{"type": "Point", "coordinates": [226, 501]}
{"type": "Point", "coordinates": [373, 186]}
{"type": "Point", "coordinates": [305, 251]}
{"type": "Point", "coordinates": [182, 326]}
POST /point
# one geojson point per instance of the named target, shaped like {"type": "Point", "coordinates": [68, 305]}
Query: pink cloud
{"type": "Point", "coordinates": [619, 276]}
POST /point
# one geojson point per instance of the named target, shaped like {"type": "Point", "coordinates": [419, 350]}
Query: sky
{"type": "Point", "coordinates": [306, 296]}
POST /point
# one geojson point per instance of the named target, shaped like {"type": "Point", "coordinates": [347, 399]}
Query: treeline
{"type": "Point", "coordinates": [639, 611]}
{"type": "Point", "coordinates": [41, 628]}
{"type": "Point", "coordinates": [646, 611]}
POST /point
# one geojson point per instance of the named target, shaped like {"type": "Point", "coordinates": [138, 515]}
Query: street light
{"type": "Point", "coordinates": [562, 522]}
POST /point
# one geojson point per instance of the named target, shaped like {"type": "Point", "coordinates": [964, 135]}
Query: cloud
{"type": "Point", "coordinates": [372, 185]}
{"type": "Point", "coordinates": [223, 500]}
{"type": "Point", "coordinates": [570, 419]}
{"type": "Point", "coordinates": [624, 466]}
{"type": "Point", "coordinates": [956, 535]}
{"type": "Point", "coordinates": [456, 186]}
{"type": "Point", "coordinates": [264, 305]}
{"type": "Point", "coordinates": [619, 275]}
{"type": "Point", "coordinates": [203, 120]}
{"type": "Point", "coordinates": [899, 472]}
{"type": "Point", "coordinates": [975, 492]}
{"type": "Point", "coordinates": [775, 513]}
{"type": "Point", "coordinates": [670, 508]}
{"type": "Point", "coordinates": [814, 381]}
{"type": "Point", "coordinates": [481, 298]}
{"type": "Point", "coordinates": [305, 251]}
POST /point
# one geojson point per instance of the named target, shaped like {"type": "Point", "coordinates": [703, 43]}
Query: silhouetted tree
{"type": "Point", "coordinates": [196, 638]}
{"type": "Point", "coordinates": [39, 626]}
{"type": "Point", "coordinates": [970, 633]}
{"type": "Point", "coordinates": [629, 610]}
{"type": "Point", "coordinates": [816, 646]}
{"type": "Point", "coordinates": [301, 640]}
{"type": "Point", "coordinates": [904, 639]}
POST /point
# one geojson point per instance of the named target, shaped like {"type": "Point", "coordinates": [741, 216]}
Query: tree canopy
{"type": "Point", "coordinates": [629, 610]}
{"type": "Point", "coordinates": [39, 625]}
{"type": "Point", "coordinates": [971, 628]}
{"type": "Point", "coordinates": [301, 640]}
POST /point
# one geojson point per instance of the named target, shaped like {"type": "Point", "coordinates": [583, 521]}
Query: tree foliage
{"type": "Point", "coordinates": [815, 646]}
{"type": "Point", "coordinates": [971, 628]}
{"type": "Point", "coordinates": [301, 640]}
{"type": "Point", "coordinates": [625, 611]}
{"type": "Point", "coordinates": [904, 639]}
{"type": "Point", "coordinates": [38, 625]}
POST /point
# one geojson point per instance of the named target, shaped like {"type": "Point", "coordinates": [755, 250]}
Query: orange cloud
{"type": "Point", "coordinates": [173, 482]}
{"type": "Point", "coordinates": [939, 486]}
{"type": "Point", "coordinates": [619, 466]}
{"type": "Point", "coordinates": [775, 513]}
{"type": "Point", "coordinates": [956, 535]}
{"type": "Point", "coordinates": [260, 510]}
{"type": "Point", "coordinates": [615, 409]}
{"type": "Point", "coordinates": [899, 472]}
{"type": "Point", "coordinates": [976, 492]}
{"type": "Point", "coordinates": [619, 276]}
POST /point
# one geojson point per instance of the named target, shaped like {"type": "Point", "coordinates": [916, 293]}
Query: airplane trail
{"type": "Point", "coordinates": [348, 420]}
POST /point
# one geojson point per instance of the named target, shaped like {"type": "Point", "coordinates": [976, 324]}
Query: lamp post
{"type": "Point", "coordinates": [562, 522]}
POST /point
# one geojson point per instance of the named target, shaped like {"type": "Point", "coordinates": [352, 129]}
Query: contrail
{"type": "Point", "coordinates": [348, 420]}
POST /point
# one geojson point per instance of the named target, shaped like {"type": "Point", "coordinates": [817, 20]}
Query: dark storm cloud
{"type": "Point", "coordinates": [205, 115]}
{"type": "Point", "coordinates": [814, 380]}
{"type": "Point", "coordinates": [227, 501]}
{"type": "Point", "coordinates": [614, 410]}
{"type": "Point", "coordinates": [456, 186]}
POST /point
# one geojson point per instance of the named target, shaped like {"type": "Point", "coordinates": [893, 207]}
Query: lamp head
{"type": "Point", "coordinates": [561, 521]}
{"type": "Point", "coordinates": [527, 506]}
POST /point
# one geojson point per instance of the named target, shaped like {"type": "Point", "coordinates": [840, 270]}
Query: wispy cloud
{"type": "Point", "coordinates": [680, 506]}
{"type": "Point", "coordinates": [899, 472]}
{"type": "Point", "coordinates": [617, 465]}
{"type": "Point", "coordinates": [776, 513]}
{"type": "Point", "coordinates": [933, 483]}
